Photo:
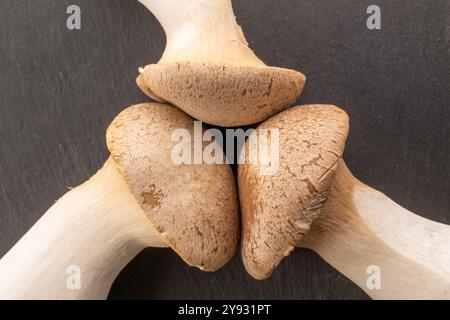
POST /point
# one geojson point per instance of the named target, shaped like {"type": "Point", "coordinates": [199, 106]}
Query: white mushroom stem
{"type": "Point", "coordinates": [202, 31]}
{"type": "Point", "coordinates": [96, 229]}
{"type": "Point", "coordinates": [361, 232]}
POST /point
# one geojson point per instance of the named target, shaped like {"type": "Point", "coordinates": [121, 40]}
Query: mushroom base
{"type": "Point", "coordinates": [386, 250]}
{"type": "Point", "coordinates": [223, 95]}
{"type": "Point", "coordinates": [78, 248]}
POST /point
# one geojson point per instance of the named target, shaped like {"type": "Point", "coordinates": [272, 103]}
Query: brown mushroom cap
{"type": "Point", "coordinates": [277, 210]}
{"type": "Point", "coordinates": [194, 207]}
{"type": "Point", "coordinates": [223, 95]}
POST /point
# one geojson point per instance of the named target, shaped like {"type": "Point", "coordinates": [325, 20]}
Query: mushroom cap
{"type": "Point", "coordinates": [193, 207]}
{"type": "Point", "coordinates": [223, 95]}
{"type": "Point", "coordinates": [277, 210]}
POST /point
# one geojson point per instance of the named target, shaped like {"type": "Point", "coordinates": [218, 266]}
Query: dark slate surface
{"type": "Point", "coordinates": [59, 90]}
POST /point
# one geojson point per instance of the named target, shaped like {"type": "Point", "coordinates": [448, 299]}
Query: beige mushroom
{"type": "Point", "coordinates": [208, 70]}
{"type": "Point", "coordinates": [313, 201]}
{"type": "Point", "coordinates": [139, 199]}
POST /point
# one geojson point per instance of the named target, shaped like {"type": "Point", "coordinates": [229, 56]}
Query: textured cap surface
{"type": "Point", "coordinates": [194, 207]}
{"type": "Point", "coordinates": [223, 95]}
{"type": "Point", "coordinates": [277, 210]}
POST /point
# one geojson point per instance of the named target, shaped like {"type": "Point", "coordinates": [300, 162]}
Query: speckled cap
{"type": "Point", "coordinates": [223, 95]}
{"type": "Point", "coordinates": [277, 210]}
{"type": "Point", "coordinates": [194, 207]}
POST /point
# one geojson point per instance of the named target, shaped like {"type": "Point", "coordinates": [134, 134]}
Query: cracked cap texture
{"type": "Point", "coordinates": [194, 207]}
{"type": "Point", "coordinates": [223, 95]}
{"type": "Point", "coordinates": [277, 210]}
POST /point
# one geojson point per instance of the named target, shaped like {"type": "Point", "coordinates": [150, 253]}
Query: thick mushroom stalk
{"type": "Point", "coordinates": [208, 70]}
{"type": "Point", "coordinates": [139, 199]}
{"type": "Point", "coordinates": [314, 201]}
